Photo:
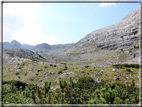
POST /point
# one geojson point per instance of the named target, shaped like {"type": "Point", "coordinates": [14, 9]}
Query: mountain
{"type": "Point", "coordinates": [42, 46]}
{"type": "Point", "coordinates": [22, 53]}
{"type": "Point", "coordinates": [15, 43]}
{"type": "Point", "coordinates": [27, 46]}
{"type": "Point", "coordinates": [61, 46]}
{"type": "Point", "coordinates": [118, 43]}
{"type": "Point", "coordinates": [6, 45]}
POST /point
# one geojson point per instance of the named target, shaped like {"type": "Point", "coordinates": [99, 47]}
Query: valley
{"type": "Point", "coordinates": [93, 56]}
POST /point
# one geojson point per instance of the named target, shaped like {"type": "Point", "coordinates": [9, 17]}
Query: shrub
{"type": "Point", "coordinates": [36, 74]}
{"type": "Point", "coordinates": [18, 76]}
{"type": "Point", "coordinates": [126, 65]}
{"type": "Point", "coordinates": [88, 73]}
{"type": "Point", "coordinates": [17, 73]}
{"type": "Point", "coordinates": [65, 68]}
{"type": "Point", "coordinates": [63, 63]}
{"type": "Point", "coordinates": [84, 83]}
{"type": "Point", "coordinates": [55, 65]}
{"type": "Point", "coordinates": [87, 66]}
{"type": "Point", "coordinates": [121, 49]}
{"type": "Point", "coordinates": [136, 47]}
{"type": "Point", "coordinates": [10, 54]}
{"type": "Point", "coordinates": [39, 70]}
{"type": "Point", "coordinates": [50, 64]}
{"type": "Point", "coordinates": [130, 50]}
{"type": "Point", "coordinates": [16, 83]}
{"type": "Point", "coordinates": [59, 72]}
{"type": "Point", "coordinates": [129, 70]}
{"type": "Point", "coordinates": [36, 52]}
{"type": "Point", "coordinates": [45, 66]}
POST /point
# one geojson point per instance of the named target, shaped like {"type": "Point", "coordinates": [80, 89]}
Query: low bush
{"type": "Point", "coordinates": [39, 70]}
{"type": "Point", "coordinates": [126, 65]}
{"type": "Point", "coordinates": [51, 65]}
{"type": "Point", "coordinates": [10, 54]}
{"type": "Point", "coordinates": [45, 66]}
{"type": "Point", "coordinates": [17, 73]}
{"type": "Point", "coordinates": [87, 66]}
{"type": "Point", "coordinates": [59, 72]}
{"type": "Point", "coordinates": [55, 65]}
{"type": "Point", "coordinates": [129, 70]}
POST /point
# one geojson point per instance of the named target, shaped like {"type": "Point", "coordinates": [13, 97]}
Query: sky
{"type": "Point", "coordinates": [59, 23]}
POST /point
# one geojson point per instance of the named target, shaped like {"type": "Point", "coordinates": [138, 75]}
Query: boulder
{"type": "Point", "coordinates": [116, 78]}
{"type": "Point", "coordinates": [40, 80]}
{"type": "Point", "coordinates": [123, 75]}
{"type": "Point", "coordinates": [113, 70]}
{"type": "Point", "coordinates": [127, 81]}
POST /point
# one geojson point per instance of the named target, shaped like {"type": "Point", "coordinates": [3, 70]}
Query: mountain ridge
{"type": "Point", "coordinates": [119, 39]}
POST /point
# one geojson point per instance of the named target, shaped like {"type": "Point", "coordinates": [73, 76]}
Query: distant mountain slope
{"type": "Point", "coordinates": [42, 46]}
{"type": "Point", "coordinates": [118, 43]}
{"type": "Point", "coordinates": [123, 33]}
{"type": "Point", "coordinates": [7, 45]}
{"type": "Point", "coordinates": [15, 43]}
{"type": "Point", "coordinates": [23, 53]}
{"type": "Point", "coordinates": [27, 46]}
{"type": "Point", "coordinates": [61, 46]}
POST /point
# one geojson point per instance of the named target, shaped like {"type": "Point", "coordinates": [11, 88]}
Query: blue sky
{"type": "Point", "coordinates": [59, 23]}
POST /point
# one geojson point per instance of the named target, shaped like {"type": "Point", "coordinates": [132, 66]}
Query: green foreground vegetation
{"type": "Point", "coordinates": [76, 89]}
{"type": "Point", "coordinates": [84, 91]}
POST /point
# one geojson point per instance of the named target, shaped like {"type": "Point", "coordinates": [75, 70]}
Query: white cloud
{"type": "Point", "coordinates": [107, 4]}
{"type": "Point", "coordinates": [32, 31]}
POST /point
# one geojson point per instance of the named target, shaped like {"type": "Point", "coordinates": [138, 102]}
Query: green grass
{"type": "Point", "coordinates": [33, 78]}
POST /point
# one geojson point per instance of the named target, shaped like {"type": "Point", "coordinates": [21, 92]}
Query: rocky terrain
{"type": "Point", "coordinates": [118, 43]}
{"type": "Point", "coordinates": [99, 50]}
{"type": "Point", "coordinates": [21, 53]}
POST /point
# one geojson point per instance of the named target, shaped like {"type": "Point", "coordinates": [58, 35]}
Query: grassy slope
{"type": "Point", "coordinates": [31, 77]}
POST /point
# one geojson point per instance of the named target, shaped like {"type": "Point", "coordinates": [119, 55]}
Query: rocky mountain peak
{"type": "Point", "coordinates": [15, 43]}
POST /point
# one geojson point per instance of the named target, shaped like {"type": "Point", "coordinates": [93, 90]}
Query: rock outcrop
{"type": "Point", "coordinates": [22, 53]}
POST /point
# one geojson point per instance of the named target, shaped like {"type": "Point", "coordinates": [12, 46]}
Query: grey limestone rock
{"type": "Point", "coordinates": [127, 81]}
{"type": "Point", "coordinates": [40, 80]}
{"type": "Point", "coordinates": [114, 70]}
{"type": "Point", "coordinates": [123, 75]}
{"type": "Point", "coordinates": [116, 78]}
